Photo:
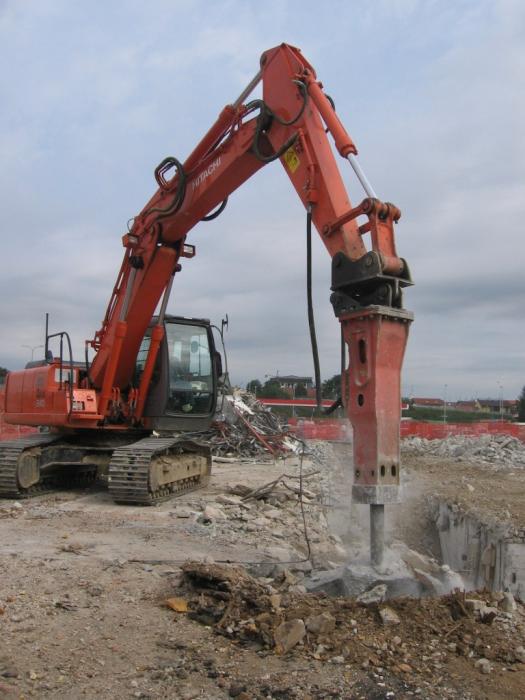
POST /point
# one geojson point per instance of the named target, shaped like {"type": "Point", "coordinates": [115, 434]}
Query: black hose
{"type": "Point", "coordinates": [311, 320]}
{"type": "Point", "coordinates": [333, 107]}
{"type": "Point", "coordinates": [343, 357]}
{"type": "Point", "coordinates": [176, 203]}
{"type": "Point", "coordinates": [274, 156]}
{"type": "Point", "coordinates": [86, 359]}
{"type": "Point", "coordinates": [266, 116]}
{"type": "Point", "coordinates": [261, 104]}
{"type": "Point", "coordinates": [338, 403]}
{"type": "Point", "coordinates": [330, 100]}
{"type": "Point", "coordinates": [217, 212]}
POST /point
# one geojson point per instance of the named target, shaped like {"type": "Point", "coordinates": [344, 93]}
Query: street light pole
{"type": "Point", "coordinates": [32, 348]}
{"type": "Point", "coordinates": [445, 404]}
{"type": "Point", "coordinates": [501, 401]}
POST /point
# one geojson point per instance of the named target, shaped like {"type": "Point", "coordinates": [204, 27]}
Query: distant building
{"type": "Point", "coordinates": [290, 382]}
{"type": "Point", "coordinates": [427, 403]}
{"type": "Point", "coordinates": [504, 407]}
{"type": "Point", "coordinates": [472, 406]}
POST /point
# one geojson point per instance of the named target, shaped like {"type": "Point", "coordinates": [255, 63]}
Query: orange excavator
{"type": "Point", "coordinates": [155, 375]}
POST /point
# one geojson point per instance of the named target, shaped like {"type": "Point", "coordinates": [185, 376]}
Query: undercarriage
{"type": "Point", "coordinates": [145, 471]}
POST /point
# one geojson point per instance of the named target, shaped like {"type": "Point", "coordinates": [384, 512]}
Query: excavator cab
{"type": "Point", "coordinates": [183, 389]}
{"type": "Point", "coordinates": [141, 468]}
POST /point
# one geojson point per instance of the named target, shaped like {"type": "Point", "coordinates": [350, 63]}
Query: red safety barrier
{"type": "Point", "coordinates": [339, 430]}
{"type": "Point", "coordinates": [11, 432]}
{"type": "Point", "coordinates": [333, 430]}
{"type": "Point", "coordinates": [433, 431]}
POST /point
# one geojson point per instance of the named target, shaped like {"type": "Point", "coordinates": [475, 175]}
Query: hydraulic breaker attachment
{"type": "Point", "coordinates": [376, 338]}
{"type": "Point", "coordinates": [367, 299]}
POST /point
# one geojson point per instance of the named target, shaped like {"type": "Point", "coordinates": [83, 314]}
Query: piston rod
{"type": "Point", "coordinates": [377, 533]}
{"type": "Point", "coordinates": [361, 176]}
{"type": "Point", "coordinates": [248, 89]}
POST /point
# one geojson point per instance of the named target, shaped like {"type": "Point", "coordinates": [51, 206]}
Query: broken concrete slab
{"type": "Point", "coordinates": [320, 624]}
{"type": "Point", "coordinates": [288, 634]}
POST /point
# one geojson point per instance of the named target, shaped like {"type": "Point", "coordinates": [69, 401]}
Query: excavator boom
{"type": "Point", "coordinates": [292, 123]}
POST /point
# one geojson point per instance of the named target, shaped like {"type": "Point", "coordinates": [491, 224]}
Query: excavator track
{"type": "Point", "coordinates": [154, 469]}
{"type": "Point", "coordinates": [10, 465]}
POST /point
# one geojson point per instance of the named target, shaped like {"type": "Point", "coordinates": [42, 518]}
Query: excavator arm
{"type": "Point", "coordinates": [290, 123]}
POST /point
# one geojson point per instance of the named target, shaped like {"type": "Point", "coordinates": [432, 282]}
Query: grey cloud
{"type": "Point", "coordinates": [432, 104]}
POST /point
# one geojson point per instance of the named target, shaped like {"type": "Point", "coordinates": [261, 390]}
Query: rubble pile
{"type": "Point", "coordinates": [269, 515]}
{"type": "Point", "coordinates": [244, 427]}
{"type": "Point", "coordinates": [490, 449]}
{"type": "Point", "coordinates": [411, 638]}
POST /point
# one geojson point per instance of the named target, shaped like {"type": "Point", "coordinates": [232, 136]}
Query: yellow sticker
{"type": "Point", "coordinates": [292, 159]}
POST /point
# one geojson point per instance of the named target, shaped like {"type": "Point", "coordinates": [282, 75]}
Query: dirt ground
{"type": "Point", "coordinates": [83, 585]}
{"type": "Point", "coordinates": [493, 493]}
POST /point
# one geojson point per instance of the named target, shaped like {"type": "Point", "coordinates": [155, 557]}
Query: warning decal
{"type": "Point", "coordinates": [292, 159]}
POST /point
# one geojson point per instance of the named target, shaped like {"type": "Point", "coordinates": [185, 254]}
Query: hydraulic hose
{"type": "Point", "coordinates": [265, 118]}
{"type": "Point", "coordinates": [217, 212]}
{"type": "Point", "coordinates": [311, 320]}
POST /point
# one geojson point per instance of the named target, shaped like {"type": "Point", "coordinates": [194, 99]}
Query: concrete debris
{"type": "Point", "coordinates": [487, 614]}
{"type": "Point", "coordinates": [519, 654]}
{"type": "Point", "coordinates": [337, 660]}
{"type": "Point", "coordinates": [389, 616]}
{"type": "Point", "coordinates": [331, 583]}
{"type": "Point", "coordinates": [244, 427]}
{"type": "Point", "coordinates": [416, 637]}
{"type": "Point", "coordinates": [275, 601]}
{"type": "Point", "coordinates": [11, 510]}
{"type": "Point", "coordinates": [473, 604]}
{"type": "Point", "coordinates": [483, 665]}
{"type": "Point", "coordinates": [508, 604]}
{"type": "Point", "coordinates": [288, 634]}
{"type": "Point", "coordinates": [211, 514]}
{"type": "Point", "coordinates": [374, 595]}
{"type": "Point", "coordinates": [320, 624]}
{"type": "Point", "coordinates": [490, 449]}
{"type": "Point", "coordinates": [475, 537]}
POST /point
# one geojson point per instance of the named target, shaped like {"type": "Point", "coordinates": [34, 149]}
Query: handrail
{"type": "Point", "coordinates": [61, 335]}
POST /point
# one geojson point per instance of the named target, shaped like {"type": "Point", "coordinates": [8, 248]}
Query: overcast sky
{"type": "Point", "coordinates": [94, 95]}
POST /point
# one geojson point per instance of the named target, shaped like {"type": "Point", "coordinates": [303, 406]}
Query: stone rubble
{"type": "Point", "coordinates": [420, 640]}
{"type": "Point", "coordinates": [269, 517]}
{"type": "Point", "coordinates": [503, 450]}
{"type": "Point", "coordinates": [389, 616]}
{"type": "Point", "coordinates": [373, 596]}
{"type": "Point", "coordinates": [288, 634]}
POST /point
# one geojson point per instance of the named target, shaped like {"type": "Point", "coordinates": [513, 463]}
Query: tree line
{"type": "Point", "coordinates": [521, 406]}
{"type": "Point", "coordinates": [330, 389]}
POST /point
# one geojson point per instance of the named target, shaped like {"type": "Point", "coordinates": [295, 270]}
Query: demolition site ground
{"type": "Point", "coordinates": [108, 601]}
